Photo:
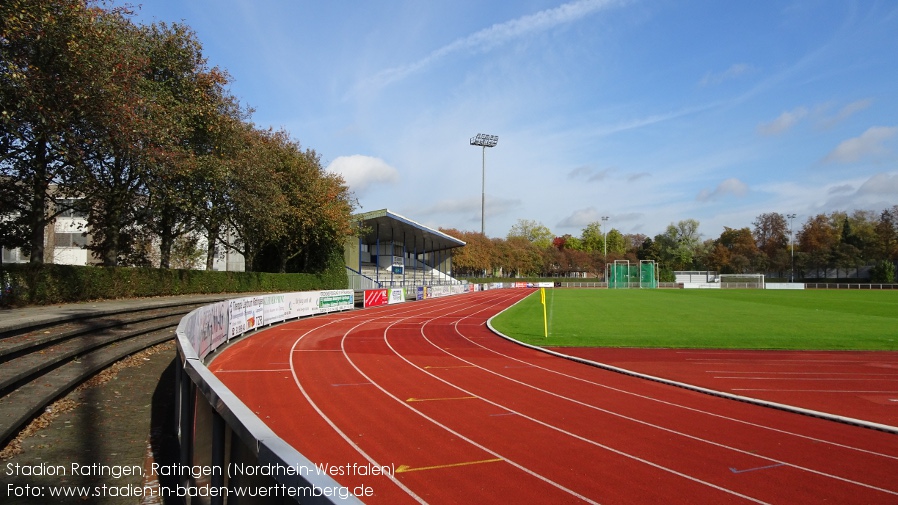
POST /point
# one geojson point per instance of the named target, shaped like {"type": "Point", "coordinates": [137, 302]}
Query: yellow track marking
{"type": "Point", "coordinates": [406, 468]}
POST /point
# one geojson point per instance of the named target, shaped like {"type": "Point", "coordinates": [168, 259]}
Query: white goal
{"type": "Point", "coordinates": [742, 281]}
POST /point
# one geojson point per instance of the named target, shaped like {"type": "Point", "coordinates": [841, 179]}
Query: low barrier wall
{"type": "Point", "coordinates": [226, 450]}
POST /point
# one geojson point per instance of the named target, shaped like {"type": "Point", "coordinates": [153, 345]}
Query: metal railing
{"type": "Point", "coordinates": [217, 431]}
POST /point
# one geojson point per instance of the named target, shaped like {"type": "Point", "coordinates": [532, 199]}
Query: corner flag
{"type": "Point", "coordinates": [542, 297]}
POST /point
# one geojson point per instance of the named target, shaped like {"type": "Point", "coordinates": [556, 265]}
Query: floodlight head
{"type": "Point", "coordinates": [484, 140]}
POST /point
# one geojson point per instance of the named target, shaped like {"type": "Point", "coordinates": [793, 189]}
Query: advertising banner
{"type": "Point", "coordinates": [210, 326]}
{"type": "Point", "coordinates": [375, 297]}
{"type": "Point", "coordinates": [301, 304]}
{"type": "Point", "coordinates": [237, 316]}
{"type": "Point", "coordinates": [336, 300]}
{"type": "Point", "coordinates": [441, 291]}
{"type": "Point", "coordinates": [275, 308]}
{"type": "Point", "coordinates": [255, 313]}
{"type": "Point", "coordinates": [396, 295]}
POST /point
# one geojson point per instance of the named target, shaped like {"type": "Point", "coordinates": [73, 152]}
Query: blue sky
{"type": "Point", "coordinates": [648, 112]}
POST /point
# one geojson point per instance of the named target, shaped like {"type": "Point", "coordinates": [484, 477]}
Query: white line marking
{"type": "Point", "coordinates": [260, 370]}
{"type": "Point", "coordinates": [797, 378]}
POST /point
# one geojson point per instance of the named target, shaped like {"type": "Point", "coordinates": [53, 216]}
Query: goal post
{"type": "Point", "coordinates": [741, 281]}
{"type": "Point", "coordinates": [622, 274]}
{"type": "Point", "coordinates": [648, 274]}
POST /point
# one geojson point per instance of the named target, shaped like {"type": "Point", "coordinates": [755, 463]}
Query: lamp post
{"type": "Point", "coordinates": [483, 140]}
{"type": "Point", "coordinates": [792, 247]}
{"type": "Point", "coordinates": [605, 239]}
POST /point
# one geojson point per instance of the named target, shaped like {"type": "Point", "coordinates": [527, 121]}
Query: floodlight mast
{"type": "Point", "coordinates": [605, 239]}
{"type": "Point", "coordinates": [792, 247]}
{"type": "Point", "coordinates": [483, 140]}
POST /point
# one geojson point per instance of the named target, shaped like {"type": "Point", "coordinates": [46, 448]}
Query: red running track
{"type": "Point", "coordinates": [464, 416]}
{"type": "Point", "coordinates": [857, 384]}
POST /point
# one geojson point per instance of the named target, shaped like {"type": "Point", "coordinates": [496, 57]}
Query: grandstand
{"type": "Point", "coordinates": [394, 251]}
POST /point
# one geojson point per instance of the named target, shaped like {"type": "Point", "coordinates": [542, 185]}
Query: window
{"type": "Point", "coordinates": [70, 240]}
{"type": "Point", "coordinates": [70, 207]}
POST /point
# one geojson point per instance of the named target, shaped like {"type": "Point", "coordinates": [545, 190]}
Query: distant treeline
{"type": "Point", "coordinates": [839, 242]}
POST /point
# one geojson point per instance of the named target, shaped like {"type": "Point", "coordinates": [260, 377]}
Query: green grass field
{"type": "Point", "coordinates": [708, 318]}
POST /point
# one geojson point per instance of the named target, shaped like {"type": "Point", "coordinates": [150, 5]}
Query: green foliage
{"type": "Point", "coordinates": [36, 284]}
{"type": "Point", "coordinates": [712, 319]}
{"type": "Point", "coordinates": [883, 272]}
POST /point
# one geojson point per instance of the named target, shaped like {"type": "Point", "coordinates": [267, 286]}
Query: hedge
{"type": "Point", "coordinates": [26, 284]}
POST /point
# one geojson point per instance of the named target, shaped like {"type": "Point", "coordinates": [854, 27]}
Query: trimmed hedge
{"type": "Point", "coordinates": [26, 284]}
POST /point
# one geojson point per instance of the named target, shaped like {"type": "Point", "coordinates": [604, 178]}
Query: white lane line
{"type": "Point", "coordinates": [693, 409]}
{"type": "Point", "coordinates": [258, 370]}
{"type": "Point", "coordinates": [803, 373]}
{"type": "Point", "coordinates": [563, 431]}
{"type": "Point", "coordinates": [818, 391]}
{"type": "Point", "coordinates": [331, 423]}
{"type": "Point", "coordinates": [450, 430]}
{"type": "Point", "coordinates": [843, 379]}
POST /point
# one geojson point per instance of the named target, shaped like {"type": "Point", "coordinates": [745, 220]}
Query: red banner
{"type": "Point", "coordinates": [375, 297]}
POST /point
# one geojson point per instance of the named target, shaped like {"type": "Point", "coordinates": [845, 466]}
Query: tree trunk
{"type": "Point", "coordinates": [38, 212]}
{"type": "Point", "coordinates": [166, 239]}
{"type": "Point", "coordinates": [211, 239]}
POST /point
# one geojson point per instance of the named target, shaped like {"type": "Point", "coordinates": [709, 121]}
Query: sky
{"type": "Point", "coordinates": [647, 112]}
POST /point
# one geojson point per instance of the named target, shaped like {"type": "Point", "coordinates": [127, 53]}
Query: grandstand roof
{"type": "Point", "coordinates": [384, 225]}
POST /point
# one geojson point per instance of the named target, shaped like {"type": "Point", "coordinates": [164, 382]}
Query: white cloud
{"type": "Point", "coordinates": [733, 72]}
{"type": "Point", "coordinates": [845, 112]}
{"type": "Point", "coordinates": [876, 192]}
{"type": "Point", "coordinates": [730, 186]}
{"type": "Point", "coordinates": [361, 172]}
{"type": "Point", "coordinates": [495, 35]}
{"type": "Point", "coordinates": [471, 206]}
{"type": "Point", "coordinates": [882, 185]}
{"type": "Point", "coordinates": [785, 121]}
{"type": "Point", "coordinates": [870, 143]}
{"type": "Point", "coordinates": [580, 218]}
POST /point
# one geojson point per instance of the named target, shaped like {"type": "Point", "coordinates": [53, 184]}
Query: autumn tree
{"type": "Point", "coordinates": [771, 233]}
{"type": "Point", "coordinates": [47, 78]}
{"type": "Point", "coordinates": [817, 240]}
{"type": "Point", "coordinates": [476, 257]}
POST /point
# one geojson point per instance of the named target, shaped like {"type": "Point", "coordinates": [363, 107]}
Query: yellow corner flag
{"type": "Point", "coordinates": [542, 297]}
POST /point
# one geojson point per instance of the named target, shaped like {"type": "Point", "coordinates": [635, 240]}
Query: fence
{"type": "Point", "coordinates": [827, 285]}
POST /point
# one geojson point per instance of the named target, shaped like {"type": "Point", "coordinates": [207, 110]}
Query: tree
{"type": "Point", "coordinates": [126, 129]}
{"type": "Point", "coordinates": [886, 230]}
{"type": "Point", "coordinates": [253, 200]}
{"type": "Point", "coordinates": [736, 251]}
{"type": "Point", "coordinates": [193, 96]}
{"type": "Point", "coordinates": [592, 237]}
{"type": "Point", "coordinates": [884, 272]}
{"type": "Point", "coordinates": [532, 231]}
{"type": "Point", "coordinates": [317, 209]}
{"type": "Point", "coordinates": [476, 257]}
{"type": "Point", "coordinates": [771, 233]}
{"type": "Point", "coordinates": [675, 248]}
{"type": "Point", "coordinates": [47, 79]}
{"type": "Point", "coordinates": [817, 240]}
